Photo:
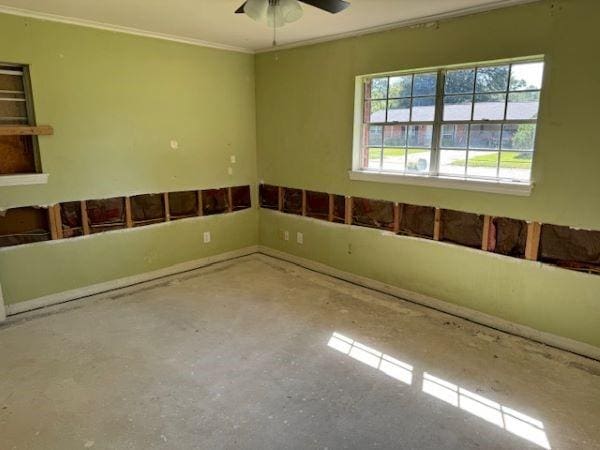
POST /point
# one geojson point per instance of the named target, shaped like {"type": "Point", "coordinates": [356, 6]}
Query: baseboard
{"type": "Point", "coordinates": [99, 288]}
{"type": "Point", "coordinates": [472, 315]}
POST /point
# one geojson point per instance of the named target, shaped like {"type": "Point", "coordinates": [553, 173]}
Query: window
{"type": "Point", "coordinates": [470, 123]}
{"type": "Point", "coordinates": [18, 153]}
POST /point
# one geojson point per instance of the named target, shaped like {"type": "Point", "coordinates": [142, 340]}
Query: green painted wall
{"type": "Point", "coordinates": [305, 99]}
{"type": "Point", "coordinates": [116, 101]}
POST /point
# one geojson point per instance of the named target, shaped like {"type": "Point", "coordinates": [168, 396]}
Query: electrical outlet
{"type": "Point", "coordinates": [232, 159]}
{"type": "Point", "coordinates": [286, 235]}
{"type": "Point", "coordinates": [299, 238]}
{"type": "Point", "coordinates": [206, 237]}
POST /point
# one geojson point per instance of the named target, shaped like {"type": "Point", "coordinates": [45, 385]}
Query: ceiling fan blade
{"type": "Point", "coordinates": [240, 10]}
{"type": "Point", "coordinates": [332, 6]}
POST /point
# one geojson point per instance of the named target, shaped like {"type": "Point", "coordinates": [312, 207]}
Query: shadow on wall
{"type": "Point", "coordinates": [510, 420]}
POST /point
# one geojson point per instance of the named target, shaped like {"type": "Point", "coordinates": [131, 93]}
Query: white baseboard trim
{"type": "Point", "coordinates": [87, 291]}
{"type": "Point", "coordinates": [550, 339]}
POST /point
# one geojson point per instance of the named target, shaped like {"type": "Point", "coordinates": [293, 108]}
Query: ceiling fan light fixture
{"type": "Point", "coordinates": [275, 16]}
{"type": "Point", "coordinates": [257, 9]}
{"type": "Point", "coordinates": [291, 10]}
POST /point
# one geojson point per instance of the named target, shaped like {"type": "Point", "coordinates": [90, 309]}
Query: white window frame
{"type": "Point", "coordinates": [521, 188]}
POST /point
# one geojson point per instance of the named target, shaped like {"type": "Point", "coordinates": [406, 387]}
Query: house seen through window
{"type": "Point", "coordinates": [475, 122]}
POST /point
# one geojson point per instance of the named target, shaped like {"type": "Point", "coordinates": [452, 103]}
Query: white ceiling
{"type": "Point", "coordinates": [213, 21]}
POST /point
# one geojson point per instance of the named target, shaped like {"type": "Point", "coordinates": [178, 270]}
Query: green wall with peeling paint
{"type": "Point", "coordinates": [305, 101]}
{"type": "Point", "coordinates": [115, 102]}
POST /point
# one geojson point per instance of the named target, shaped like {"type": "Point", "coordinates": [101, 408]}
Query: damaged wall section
{"type": "Point", "coordinates": [183, 204]}
{"type": "Point", "coordinates": [417, 221]}
{"type": "Point", "coordinates": [71, 220]}
{"type": "Point", "coordinates": [147, 209]}
{"type": "Point", "coordinates": [317, 205]}
{"type": "Point", "coordinates": [268, 196]}
{"type": "Point", "coordinates": [292, 201]}
{"type": "Point", "coordinates": [461, 228]}
{"type": "Point", "coordinates": [241, 198]}
{"type": "Point", "coordinates": [508, 237]}
{"type": "Point", "coordinates": [25, 225]}
{"type": "Point", "coordinates": [373, 213]}
{"type": "Point", "coordinates": [215, 201]}
{"type": "Point", "coordinates": [570, 248]}
{"type": "Point", "coordinates": [106, 214]}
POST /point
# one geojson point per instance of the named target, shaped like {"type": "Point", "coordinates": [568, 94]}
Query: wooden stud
{"type": "Point", "coordinates": [58, 222]}
{"type": "Point", "coordinates": [200, 211]}
{"type": "Point", "coordinates": [167, 209]}
{"type": "Point", "coordinates": [128, 216]}
{"type": "Point", "coordinates": [229, 200]}
{"type": "Point", "coordinates": [437, 224]}
{"type": "Point", "coordinates": [85, 224]}
{"type": "Point", "coordinates": [532, 246]}
{"type": "Point", "coordinates": [331, 207]}
{"type": "Point", "coordinates": [26, 130]}
{"type": "Point", "coordinates": [280, 198]}
{"type": "Point", "coordinates": [303, 202]}
{"type": "Point", "coordinates": [485, 238]}
{"type": "Point", "coordinates": [348, 211]}
{"type": "Point", "coordinates": [396, 228]}
{"type": "Point", "coordinates": [52, 223]}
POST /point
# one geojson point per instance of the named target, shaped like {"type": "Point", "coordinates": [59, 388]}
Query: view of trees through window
{"type": "Point", "coordinates": [470, 122]}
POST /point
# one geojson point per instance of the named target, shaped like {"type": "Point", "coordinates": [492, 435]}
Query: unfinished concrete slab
{"type": "Point", "coordinates": [261, 354]}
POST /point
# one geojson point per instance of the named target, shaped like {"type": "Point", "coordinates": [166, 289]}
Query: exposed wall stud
{"type": "Point", "coordinates": [396, 228]}
{"type": "Point", "coordinates": [229, 200]}
{"type": "Point", "coordinates": [128, 218]}
{"type": "Point", "coordinates": [303, 202]}
{"type": "Point", "coordinates": [52, 222]}
{"type": "Point", "coordinates": [331, 207]}
{"type": "Point", "coordinates": [85, 224]}
{"type": "Point", "coordinates": [58, 222]}
{"type": "Point", "coordinates": [437, 224]}
{"type": "Point", "coordinates": [348, 211]}
{"type": "Point", "coordinates": [167, 209]}
{"type": "Point", "coordinates": [533, 240]}
{"type": "Point", "coordinates": [485, 239]}
{"type": "Point", "coordinates": [280, 198]}
{"type": "Point", "coordinates": [200, 211]}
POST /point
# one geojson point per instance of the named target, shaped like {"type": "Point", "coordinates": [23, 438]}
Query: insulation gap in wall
{"type": "Point", "coordinates": [241, 198]}
{"type": "Point", "coordinates": [570, 248]}
{"type": "Point", "coordinates": [510, 236]}
{"type": "Point", "coordinates": [147, 209]}
{"type": "Point", "coordinates": [71, 220]}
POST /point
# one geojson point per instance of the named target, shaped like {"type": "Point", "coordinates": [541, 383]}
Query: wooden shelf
{"type": "Point", "coordinates": [26, 130]}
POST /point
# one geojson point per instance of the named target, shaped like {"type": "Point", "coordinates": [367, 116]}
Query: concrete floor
{"type": "Point", "coordinates": [261, 354]}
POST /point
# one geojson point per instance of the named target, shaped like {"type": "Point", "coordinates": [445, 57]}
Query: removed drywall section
{"type": "Point", "coordinates": [106, 214]}
{"type": "Point", "coordinates": [317, 205]}
{"type": "Point", "coordinates": [71, 219]}
{"type": "Point", "coordinates": [570, 248]}
{"type": "Point", "coordinates": [461, 228]}
{"type": "Point", "coordinates": [147, 209]}
{"type": "Point", "coordinates": [508, 236]}
{"type": "Point", "coordinates": [292, 201]}
{"type": "Point", "coordinates": [240, 198]}
{"type": "Point", "coordinates": [183, 204]}
{"type": "Point", "coordinates": [373, 213]}
{"type": "Point", "coordinates": [17, 155]}
{"type": "Point", "coordinates": [215, 201]}
{"type": "Point", "coordinates": [417, 221]}
{"type": "Point", "coordinates": [339, 208]}
{"type": "Point", "coordinates": [25, 225]}
{"type": "Point", "coordinates": [268, 196]}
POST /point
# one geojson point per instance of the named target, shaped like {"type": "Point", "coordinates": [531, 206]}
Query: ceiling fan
{"type": "Point", "coordinates": [276, 13]}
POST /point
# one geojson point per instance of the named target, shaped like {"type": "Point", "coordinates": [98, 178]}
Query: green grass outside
{"type": "Point", "coordinates": [374, 153]}
{"type": "Point", "coordinates": [513, 160]}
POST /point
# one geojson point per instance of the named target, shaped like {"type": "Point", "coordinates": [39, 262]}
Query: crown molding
{"type": "Point", "coordinates": [499, 4]}
{"type": "Point", "coordinates": [118, 29]}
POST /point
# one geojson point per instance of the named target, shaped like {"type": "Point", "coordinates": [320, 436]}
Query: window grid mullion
{"type": "Point", "coordinates": [434, 168]}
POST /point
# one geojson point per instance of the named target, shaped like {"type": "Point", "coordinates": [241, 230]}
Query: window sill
{"type": "Point", "coordinates": [23, 179]}
{"type": "Point", "coordinates": [495, 187]}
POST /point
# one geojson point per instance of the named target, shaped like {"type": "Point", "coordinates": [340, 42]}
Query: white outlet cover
{"type": "Point", "coordinates": [232, 159]}
{"type": "Point", "coordinates": [206, 237]}
{"type": "Point", "coordinates": [299, 238]}
{"type": "Point", "coordinates": [286, 235]}
{"type": "Point", "coordinates": [174, 144]}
